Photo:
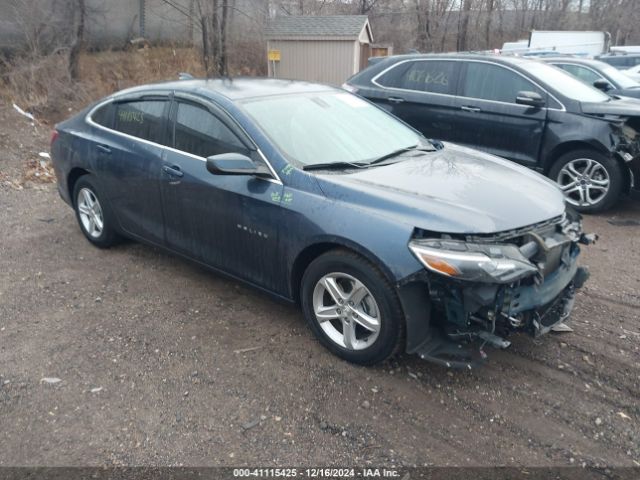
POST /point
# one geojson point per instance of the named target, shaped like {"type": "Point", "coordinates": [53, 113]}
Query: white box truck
{"type": "Point", "coordinates": [589, 44]}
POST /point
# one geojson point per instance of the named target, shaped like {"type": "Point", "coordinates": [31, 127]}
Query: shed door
{"type": "Point", "coordinates": [365, 53]}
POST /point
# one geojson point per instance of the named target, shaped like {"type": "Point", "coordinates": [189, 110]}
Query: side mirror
{"type": "Point", "coordinates": [531, 99]}
{"type": "Point", "coordinates": [234, 164]}
{"type": "Point", "coordinates": [602, 84]}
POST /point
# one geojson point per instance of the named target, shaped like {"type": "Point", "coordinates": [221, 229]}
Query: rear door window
{"type": "Point", "coordinates": [431, 76]}
{"type": "Point", "coordinates": [492, 82]}
{"type": "Point", "coordinates": [585, 74]}
{"type": "Point", "coordinates": [142, 119]}
{"type": "Point", "coordinates": [199, 132]}
{"type": "Point", "coordinates": [620, 62]}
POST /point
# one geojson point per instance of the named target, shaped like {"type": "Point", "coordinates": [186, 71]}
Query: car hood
{"type": "Point", "coordinates": [628, 107]}
{"type": "Point", "coordinates": [453, 190]}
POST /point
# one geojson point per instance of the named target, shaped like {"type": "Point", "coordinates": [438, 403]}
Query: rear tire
{"type": "Point", "coordinates": [591, 182]}
{"type": "Point", "coordinates": [361, 319]}
{"type": "Point", "coordinates": [93, 213]}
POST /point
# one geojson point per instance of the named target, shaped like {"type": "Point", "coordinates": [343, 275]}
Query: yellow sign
{"type": "Point", "coordinates": [274, 55]}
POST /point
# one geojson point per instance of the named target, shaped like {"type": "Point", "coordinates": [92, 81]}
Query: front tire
{"type": "Point", "coordinates": [93, 214]}
{"type": "Point", "coordinates": [352, 308]}
{"type": "Point", "coordinates": [591, 182]}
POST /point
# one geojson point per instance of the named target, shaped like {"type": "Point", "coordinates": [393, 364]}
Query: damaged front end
{"type": "Point", "coordinates": [485, 287]}
{"type": "Point", "coordinates": [627, 147]}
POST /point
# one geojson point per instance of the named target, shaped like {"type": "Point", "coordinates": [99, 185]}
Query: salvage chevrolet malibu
{"type": "Point", "coordinates": [387, 240]}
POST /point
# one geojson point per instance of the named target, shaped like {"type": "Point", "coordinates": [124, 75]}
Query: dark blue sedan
{"type": "Point", "coordinates": [389, 241]}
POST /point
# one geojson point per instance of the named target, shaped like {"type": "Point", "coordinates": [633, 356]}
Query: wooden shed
{"type": "Point", "coordinates": [327, 49]}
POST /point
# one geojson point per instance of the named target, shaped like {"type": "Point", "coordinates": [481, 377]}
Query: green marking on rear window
{"type": "Point", "coordinates": [127, 116]}
{"type": "Point", "coordinates": [275, 196]}
{"type": "Point", "coordinates": [287, 197]}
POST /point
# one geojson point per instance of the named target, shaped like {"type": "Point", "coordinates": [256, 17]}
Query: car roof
{"type": "Point", "coordinates": [233, 88]}
{"type": "Point", "coordinates": [619, 55]}
{"type": "Point", "coordinates": [583, 61]}
{"type": "Point", "coordinates": [503, 59]}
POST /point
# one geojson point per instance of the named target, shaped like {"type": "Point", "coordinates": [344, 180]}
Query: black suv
{"type": "Point", "coordinates": [520, 109]}
{"type": "Point", "coordinates": [621, 61]}
{"type": "Point", "coordinates": [599, 74]}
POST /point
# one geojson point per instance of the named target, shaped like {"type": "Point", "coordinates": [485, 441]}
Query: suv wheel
{"type": "Point", "coordinates": [92, 214]}
{"type": "Point", "coordinates": [352, 308]}
{"type": "Point", "coordinates": [591, 182]}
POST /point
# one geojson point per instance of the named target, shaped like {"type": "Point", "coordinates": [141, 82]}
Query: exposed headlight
{"type": "Point", "coordinates": [629, 132]}
{"type": "Point", "coordinates": [473, 262]}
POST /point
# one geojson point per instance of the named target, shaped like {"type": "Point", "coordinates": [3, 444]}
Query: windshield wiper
{"type": "Point", "coordinates": [343, 165]}
{"type": "Point", "coordinates": [400, 151]}
{"type": "Point", "coordinates": [334, 165]}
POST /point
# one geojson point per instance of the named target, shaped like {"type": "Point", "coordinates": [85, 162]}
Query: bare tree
{"type": "Point", "coordinates": [365, 6]}
{"type": "Point", "coordinates": [211, 19]}
{"type": "Point", "coordinates": [79, 16]}
{"type": "Point", "coordinates": [463, 25]}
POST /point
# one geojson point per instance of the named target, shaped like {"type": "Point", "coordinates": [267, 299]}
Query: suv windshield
{"type": "Point", "coordinates": [330, 127]}
{"type": "Point", "coordinates": [563, 82]}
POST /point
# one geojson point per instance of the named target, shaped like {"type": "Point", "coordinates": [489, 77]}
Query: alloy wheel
{"type": "Point", "coordinates": [346, 311]}
{"type": "Point", "coordinates": [584, 181]}
{"type": "Point", "coordinates": [90, 212]}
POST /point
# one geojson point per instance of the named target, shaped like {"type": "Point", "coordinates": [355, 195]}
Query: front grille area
{"type": "Point", "coordinates": [541, 228]}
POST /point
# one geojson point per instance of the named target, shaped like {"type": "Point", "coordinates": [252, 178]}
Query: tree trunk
{"type": "Point", "coordinates": [487, 26]}
{"type": "Point", "coordinates": [422, 16]}
{"type": "Point", "coordinates": [79, 14]}
{"type": "Point", "coordinates": [206, 55]}
{"type": "Point", "coordinates": [464, 26]}
{"type": "Point", "coordinates": [222, 57]}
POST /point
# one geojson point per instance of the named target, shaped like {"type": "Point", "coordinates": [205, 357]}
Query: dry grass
{"type": "Point", "coordinates": [39, 171]}
{"type": "Point", "coordinates": [38, 84]}
{"type": "Point", "coordinates": [110, 71]}
{"type": "Point", "coordinates": [43, 87]}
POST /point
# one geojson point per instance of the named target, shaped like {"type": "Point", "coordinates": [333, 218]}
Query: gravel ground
{"type": "Point", "coordinates": [162, 363]}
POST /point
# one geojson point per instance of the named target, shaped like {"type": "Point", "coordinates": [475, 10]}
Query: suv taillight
{"type": "Point", "coordinates": [54, 136]}
{"type": "Point", "coordinates": [349, 88]}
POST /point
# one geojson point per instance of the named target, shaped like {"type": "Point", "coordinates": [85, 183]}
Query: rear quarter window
{"type": "Point", "coordinates": [104, 115]}
{"type": "Point", "coordinates": [142, 119]}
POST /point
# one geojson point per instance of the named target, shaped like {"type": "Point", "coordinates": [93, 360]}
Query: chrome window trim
{"type": "Point", "coordinates": [88, 118]}
{"type": "Point", "coordinates": [374, 80]}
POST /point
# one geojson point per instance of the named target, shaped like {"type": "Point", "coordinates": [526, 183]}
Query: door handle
{"type": "Point", "coordinates": [173, 170]}
{"type": "Point", "coordinates": [396, 99]}
{"type": "Point", "coordinates": [470, 109]}
{"type": "Point", "coordinates": [103, 149]}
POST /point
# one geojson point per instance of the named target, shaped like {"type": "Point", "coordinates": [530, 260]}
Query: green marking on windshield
{"type": "Point", "coordinates": [287, 170]}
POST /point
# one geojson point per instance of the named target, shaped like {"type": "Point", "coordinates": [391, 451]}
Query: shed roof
{"type": "Point", "coordinates": [343, 26]}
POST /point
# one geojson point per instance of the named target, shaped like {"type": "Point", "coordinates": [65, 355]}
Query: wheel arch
{"type": "Point", "coordinates": [72, 178]}
{"type": "Point", "coordinates": [413, 293]}
{"type": "Point", "coordinates": [573, 145]}
{"type": "Point", "coordinates": [314, 250]}
{"type": "Point", "coordinates": [570, 146]}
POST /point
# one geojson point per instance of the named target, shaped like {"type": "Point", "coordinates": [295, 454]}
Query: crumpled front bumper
{"type": "Point", "coordinates": [550, 302]}
{"type": "Point", "coordinates": [466, 316]}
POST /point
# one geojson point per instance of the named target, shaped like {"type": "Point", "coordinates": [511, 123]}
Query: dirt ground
{"type": "Point", "coordinates": [163, 363]}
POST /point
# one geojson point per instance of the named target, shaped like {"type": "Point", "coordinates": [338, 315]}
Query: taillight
{"type": "Point", "coordinates": [349, 88]}
{"type": "Point", "coordinates": [54, 136]}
